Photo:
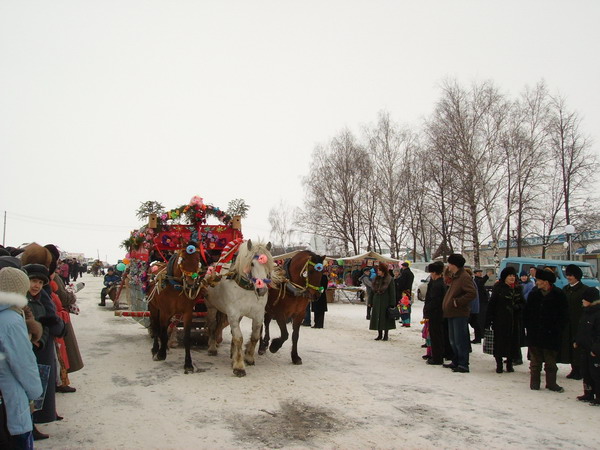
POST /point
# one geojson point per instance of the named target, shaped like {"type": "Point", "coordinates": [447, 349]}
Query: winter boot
{"type": "Point", "coordinates": [551, 382]}
{"type": "Point", "coordinates": [385, 335]}
{"type": "Point", "coordinates": [534, 380]}
{"type": "Point", "coordinates": [38, 435]}
{"type": "Point", "coordinates": [575, 373]}
{"type": "Point", "coordinates": [499, 368]}
{"type": "Point", "coordinates": [509, 365]}
{"type": "Point", "coordinates": [379, 336]}
{"type": "Point", "coordinates": [588, 394]}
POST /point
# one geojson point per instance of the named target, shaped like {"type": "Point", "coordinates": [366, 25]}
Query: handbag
{"type": "Point", "coordinates": [393, 313]}
{"type": "Point", "coordinates": [488, 341]}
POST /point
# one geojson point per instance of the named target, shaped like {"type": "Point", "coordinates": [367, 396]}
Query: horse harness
{"type": "Point", "coordinates": [295, 289]}
{"type": "Point", "coordinates": [180, 283]}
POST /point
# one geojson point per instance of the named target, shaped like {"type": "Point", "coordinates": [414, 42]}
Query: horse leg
{"type": "Point", "coordinates": [278, 342]}
{"type": "Point", "coordinates": [264, 342]}
{"type": "Point", "coordinates": [162, 351]}
{"type": "Point", "coordinates": [295, 334]}
{"type": "Point", "coordinates": [237, 340]}
{"type": "Point", "coordinates": [251, 345]}
{"type": "Point", "coordinates": [211, 319]}
{"type": "Point", "coordinates": [187, 331]}
{"type": "Point", "coordinates": [155, 328]}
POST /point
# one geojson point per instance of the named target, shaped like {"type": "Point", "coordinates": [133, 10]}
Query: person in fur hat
{"type": "Point", "coordinates": [457, 309]}
{"type": "Point", "coordinates": [505, 316]}
{"type": "Point", "coordinates": [19, 376]}
{"type": "Point", "coordinates": [574, 293]}
{"type": "Point", "coordinates": [588, 341]}
{"type": "Point", "coordinates": [546, 315]}
{"type": "Point", "coordinates": [44, 312]}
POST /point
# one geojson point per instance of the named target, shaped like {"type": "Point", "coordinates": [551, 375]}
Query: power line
{"type": "Point", "coordinates": [67, 224]}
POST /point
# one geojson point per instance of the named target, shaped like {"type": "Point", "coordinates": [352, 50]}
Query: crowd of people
{"type": "Point", "coordinates": [524, 310]}
{"type": "Point", "coordinates": [38, 346]}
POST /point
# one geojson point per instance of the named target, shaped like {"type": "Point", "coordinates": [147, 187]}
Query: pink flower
{"type": "Point", "coordinates": [263, 259]}
{"type": "Point", "coordinates": [259, 283]}
{"type": "Point", "coordinates": [196, 200]}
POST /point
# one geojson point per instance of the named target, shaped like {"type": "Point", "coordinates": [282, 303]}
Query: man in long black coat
{"type": "Point", "coordinates": [574, 292]}
{"type": "Point", "coordinates": [405, 281]}
{"type": "Point", "coordinates": [546, 314]}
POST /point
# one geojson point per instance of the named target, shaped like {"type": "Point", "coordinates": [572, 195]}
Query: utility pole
{"type": "Point", "coordinates": [4, 232]}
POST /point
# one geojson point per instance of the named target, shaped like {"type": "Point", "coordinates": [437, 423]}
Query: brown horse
{"type": "Point", "coordinates": [303, 280]}
{"type": "Point", "coordinates": [174, 291]}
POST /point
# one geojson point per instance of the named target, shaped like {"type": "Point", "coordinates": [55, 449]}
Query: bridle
{"type": "Point", "coordinates": [297, 289]}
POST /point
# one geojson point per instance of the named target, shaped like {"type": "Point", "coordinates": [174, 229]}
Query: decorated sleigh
{"type": "Point", "coordinates": [150, 248]}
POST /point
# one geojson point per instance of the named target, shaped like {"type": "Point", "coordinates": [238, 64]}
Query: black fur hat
{"type": "Point", "coordinates": [456, 259]}
{"type": "Point", "coordinates": [506, 272]}
{"type": "Point", "coordinates": [38, 272]}
{"type": "Point", "coordinates": [436, 267]}
{"type": "Point", "coordinates": [545, 275]}
{"type": "Point", "coordinates": [574, 270]}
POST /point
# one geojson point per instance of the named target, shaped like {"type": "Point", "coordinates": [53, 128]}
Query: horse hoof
{"type": "Point", "coordinates": [159, 357]}
{"type": "Point", "coordinates": [249, 363]}
{"type": "Point", "coordinates": [274, 347]}
{"type": "Point", "coordinates": [261, 351]}
{"type": "Point", "coordinates": [239, 372]}
{"type": "Point", "coordinates": [212, 353]}
{"type": "Point", "coordinates": [297, 361]}
{"type": "Point", "coordinates": [187, 370]}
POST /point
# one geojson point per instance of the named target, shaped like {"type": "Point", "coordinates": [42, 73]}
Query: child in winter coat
{"type": "Point", "coordinates": [588, 339]}
{"type": "Point", "coordinates": [404, 307]}
{"type": "Point", "coordinates": [19, 376]}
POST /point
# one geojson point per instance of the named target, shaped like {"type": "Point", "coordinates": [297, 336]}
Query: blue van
{"type": "Point", "coordinates": [520, 264]}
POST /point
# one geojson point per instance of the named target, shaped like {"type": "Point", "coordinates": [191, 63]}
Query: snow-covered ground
{"type": "Point", "coordinates": [351, 392]}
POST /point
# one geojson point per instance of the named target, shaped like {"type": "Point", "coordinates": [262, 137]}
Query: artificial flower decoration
{"type": "Point", "coordinates": [319, 267]}
{"type": "Point", "coordinates": [196, 200]}
{"type": "Point", "coordinates": [190, 249]}
{"type": "Point", "coordinates": [263, 259]}
{"type": "Point", "coordinates": [259, 283]}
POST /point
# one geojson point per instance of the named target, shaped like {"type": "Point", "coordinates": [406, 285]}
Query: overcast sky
{"type": "Point", "coordinates": [106, 104]}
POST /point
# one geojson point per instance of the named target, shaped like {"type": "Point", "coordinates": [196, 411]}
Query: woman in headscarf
{"type": "Point", "coordinates": [384, 296]}
{"type": "Point", "coordinates": [505, 317]}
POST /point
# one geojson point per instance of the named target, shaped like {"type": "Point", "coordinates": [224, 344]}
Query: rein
{"type": "Point", "coordinates": [296, 289]}
{"type": "Point", "coordinates": [180, 283]}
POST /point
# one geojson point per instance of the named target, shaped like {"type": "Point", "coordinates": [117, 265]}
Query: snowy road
{"type": "Point", "coordinates": [351, 392]}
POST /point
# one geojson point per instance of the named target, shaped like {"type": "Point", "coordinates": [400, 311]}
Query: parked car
{"type": "Point", "coordinates": [520, 263]}
{"type": "Point", "coordinates": [422, 288]}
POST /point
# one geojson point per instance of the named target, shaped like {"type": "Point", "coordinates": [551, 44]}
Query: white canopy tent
{"type": "Point", "coordinates": [367, 255]}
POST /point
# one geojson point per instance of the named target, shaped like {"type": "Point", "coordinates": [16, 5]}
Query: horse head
{"type": "Point", "coordinates": [189, 264]}
{"type": "Point", "coordinates": [306, 269]}
{"type": "Point", "coordinates": [255, 262]}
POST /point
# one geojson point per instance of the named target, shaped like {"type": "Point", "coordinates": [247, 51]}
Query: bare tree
{"type": "Point", "coordinates": [281, 219]}
{"type": "Point", "coordinates": [389, 146]}
{"type": "Point", "coordinates": [468, 125]}
{"type": "Point", "coordinates": [339, 174]}
{"type": "Point", "coordinates": [571, 150]}
{"type": "Point", "coordinates": [529, 143]}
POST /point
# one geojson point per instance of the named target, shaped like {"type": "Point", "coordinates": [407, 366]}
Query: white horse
{"type": "Point", "coordinates": [241, 292]}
